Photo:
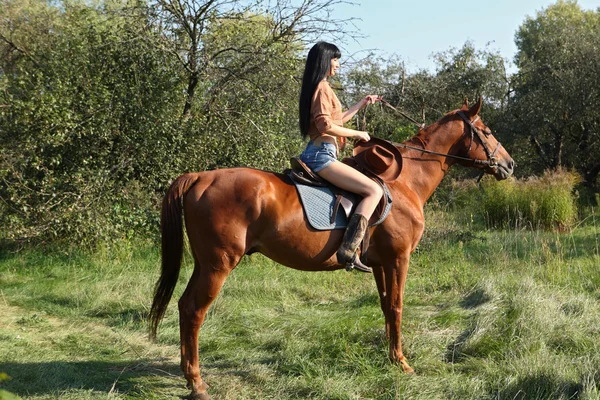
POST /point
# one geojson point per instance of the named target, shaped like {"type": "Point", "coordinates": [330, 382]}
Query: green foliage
{"type": "Point", "coordinates": [79, 137]}
{"type": "Point", "coordinates": [538, 202]}
{"type": "Point", "coordinates": [425, 96]}
{"type": "Point", "coordinates": [461, 73]}
{"type": "Point", "coordinates": [89, 145]}
{"type": "Point", "coordinates": [554, 110]}
{"type": "Point", "coordinates": [5, 395]}
{"type": "Point", "coordinates": [382, 77]}
{"type": "Point", "coordinates": [251, 121]}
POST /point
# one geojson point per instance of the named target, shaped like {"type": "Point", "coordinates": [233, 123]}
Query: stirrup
{"type": "Point", "coordinates": [358, 265]}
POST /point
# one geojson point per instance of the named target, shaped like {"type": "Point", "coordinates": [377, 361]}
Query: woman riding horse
{"type": "Point", "coordinates": [232, 212]}
{"type": "Point", "coordinates": [322, 119]}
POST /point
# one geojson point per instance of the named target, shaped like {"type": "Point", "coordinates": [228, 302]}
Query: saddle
{"type": "Point", "coordinates": [301, 174]}
{"type": "Point", "coordinates": [328, 207]}
{"type": "Point", "coordinates": [322, 202]}
{"type": "Point", "coordinates": [378, 159]}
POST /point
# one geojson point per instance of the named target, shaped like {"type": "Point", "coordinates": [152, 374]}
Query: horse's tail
{"type": "Point", "coordinates": [171, 229]}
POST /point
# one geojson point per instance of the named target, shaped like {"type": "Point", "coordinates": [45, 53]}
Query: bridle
{"type": "Point", "coordinates": [491, 155]}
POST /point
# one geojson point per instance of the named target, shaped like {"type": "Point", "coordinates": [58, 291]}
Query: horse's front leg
{"type": "Point", "coordinates": [379, 275]}
{"type": "Point", "coordinates": [395, 277]}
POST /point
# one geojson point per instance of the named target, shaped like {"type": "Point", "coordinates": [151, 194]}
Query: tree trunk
{"type": "Point", "coordinates": [191, 90]}
{"type": "Point", "coordinates": [540, 150]}
{"type": "Point", "coordinates": [558, 148]}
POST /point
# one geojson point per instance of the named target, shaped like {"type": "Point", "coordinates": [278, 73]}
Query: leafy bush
{"type": "Point", "coordinates": [88, 146]}
{"type": "Point", "coordinates": [76, 135]}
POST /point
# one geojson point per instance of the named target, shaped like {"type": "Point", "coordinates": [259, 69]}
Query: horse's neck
{"type": "Point", "coordinates": [423, 172]}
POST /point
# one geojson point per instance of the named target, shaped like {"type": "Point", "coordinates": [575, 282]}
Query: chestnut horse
{"type": "Point", "coordinates": [238, 211]}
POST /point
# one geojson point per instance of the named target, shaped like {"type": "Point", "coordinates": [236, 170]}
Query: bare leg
{"type": "Point", "coordinates": [350, 179]}
{"type": "Point", "coordinates": [202, 289]}
{"type": "Point", "coordinates": [395, 274]}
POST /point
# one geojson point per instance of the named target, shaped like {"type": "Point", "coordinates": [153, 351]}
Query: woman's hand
{"type": "Point", "coordinates": [362, 136]}
{"type": "Point", "coordinates": [371, 99]}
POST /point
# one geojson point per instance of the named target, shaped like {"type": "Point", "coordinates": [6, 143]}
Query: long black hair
{"type": "Point", "coordinates": [318, 64]}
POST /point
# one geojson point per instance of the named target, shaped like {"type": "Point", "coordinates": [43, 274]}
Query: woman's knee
{"type": "Point", "coordinates": [374, 190]}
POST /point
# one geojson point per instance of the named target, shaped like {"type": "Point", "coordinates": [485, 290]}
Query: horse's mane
{"type": "Point", "coordinates": [421, 138]}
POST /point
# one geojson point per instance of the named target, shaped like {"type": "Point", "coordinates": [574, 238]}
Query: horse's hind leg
{"type": "Point", "coordinates": [204, 286]}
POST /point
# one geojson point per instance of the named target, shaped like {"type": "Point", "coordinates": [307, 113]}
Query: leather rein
{"type": "Point", "coordinates": [491, 155]}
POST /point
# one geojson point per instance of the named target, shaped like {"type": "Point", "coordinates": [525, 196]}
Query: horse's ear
{"type": "Point", "coordinates": [474, 110]}
{"type": "Point", "coordinates": [465, 105]}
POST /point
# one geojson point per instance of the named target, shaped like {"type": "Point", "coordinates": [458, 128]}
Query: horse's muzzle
{"type": "Point", "coordinates": [504, 169]}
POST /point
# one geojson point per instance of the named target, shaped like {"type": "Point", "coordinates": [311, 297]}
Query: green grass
{"type": "Point", "coordinates": [488, 315]}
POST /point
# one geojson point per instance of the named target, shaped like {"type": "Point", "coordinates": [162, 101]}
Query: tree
{"type": "Point", "coordinates": [557, 90]}
{"type": "Point", "coordinates": [385, 77]}
{"type": "Point", "coordinates": [188, 29]}
{"type": "Point", "coordinates": [102, 104]}
{"type": "Point", "coordinates": [253, 119]}
{"type": "Point", "coordinates": [426, 96]}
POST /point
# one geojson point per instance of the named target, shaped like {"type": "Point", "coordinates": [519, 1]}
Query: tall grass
{"type": "Point", "coordinates": [546, 202]}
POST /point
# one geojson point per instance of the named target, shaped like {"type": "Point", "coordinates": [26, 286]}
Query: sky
{"type": "Point", "coordinates": [416, 29]}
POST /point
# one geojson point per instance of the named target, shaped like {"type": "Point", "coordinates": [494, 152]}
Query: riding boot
{"type": "Point", "coordinates": [347, 253]}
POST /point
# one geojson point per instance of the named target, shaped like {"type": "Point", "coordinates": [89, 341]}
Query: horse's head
{"type": "Point", "coordinates": [479, 146]}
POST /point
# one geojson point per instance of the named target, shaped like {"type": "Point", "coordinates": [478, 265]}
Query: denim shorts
{"type": "Point", "coordinates": [318, 156]}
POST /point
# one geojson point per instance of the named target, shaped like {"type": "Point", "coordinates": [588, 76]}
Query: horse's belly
{"type": "Point", "coordinates": [300, 247]}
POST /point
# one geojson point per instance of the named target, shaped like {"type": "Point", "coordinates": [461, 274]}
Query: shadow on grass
{"type": "Point", "coordinates": [369, 299]}
{"type": "Point", "coordinates": [30, 378]}
{"type": "Point", "coordinates": [136, 379]}
{"type": "Point", "coordinates": [454, 351]}
{"type": "Point", "coordinates": [116, 316]}
{"type": "Point", "coordinates": [475, 299]}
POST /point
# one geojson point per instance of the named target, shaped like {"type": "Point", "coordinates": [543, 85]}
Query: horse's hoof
{"type": "Point", "coordinates": [406, 368]}
{"type": "Point", "coordinates": [199, 391]}
{"type": "Point", "coordinates": [197, 396]}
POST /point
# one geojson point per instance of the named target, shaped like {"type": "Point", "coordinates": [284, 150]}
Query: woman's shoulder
{"type": "Point", "coordinates": [324, 87]}
{"type": "Point", "coordinates": [324, 84]}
